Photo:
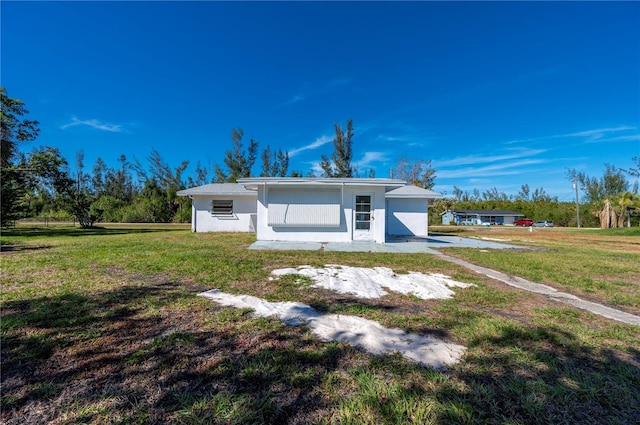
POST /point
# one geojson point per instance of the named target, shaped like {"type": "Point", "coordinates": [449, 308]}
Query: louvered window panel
{"type": "Point", "coordinates": [222, 207]}
{"type": "Point", "coordinates": [304, 208]}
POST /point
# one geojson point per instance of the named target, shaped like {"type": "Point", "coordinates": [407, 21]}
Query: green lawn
{"type": "Point", "coordinates": [105, 326]}
{"type": "Point", "coordinates": [600, 265]}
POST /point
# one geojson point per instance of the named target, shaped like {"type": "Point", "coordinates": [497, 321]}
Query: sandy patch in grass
{"type": "Point", "coordinates": [369, 282]}
{"type": "Point", "coordinates": [356, 331]}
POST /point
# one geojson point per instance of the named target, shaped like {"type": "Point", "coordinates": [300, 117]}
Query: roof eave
{"type": "Point", "coordinates": [435, 196]}
{"type": "Point", "coordinates": [253, 183]}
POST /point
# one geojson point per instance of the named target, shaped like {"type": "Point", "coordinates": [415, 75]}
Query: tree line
{"type": "Point", "coordinates": [40, 183]}
{"type": "Point", "coordinates": [610, 192]}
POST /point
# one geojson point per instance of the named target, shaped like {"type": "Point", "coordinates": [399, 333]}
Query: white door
{"type": "Point", "coordinates": [363, 217]}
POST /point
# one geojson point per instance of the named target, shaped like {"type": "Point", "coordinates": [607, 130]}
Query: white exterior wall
{"type": "Point", "coordinates": [242, 220]}
{"type": "Point", "coordinates": [407, 217]}
{"type": "Point", "coordinates": [448, 217]}
{"type": "Point", "coordinates": [343, 233]}
{"type": "Point", "coordinates": [380, 217]}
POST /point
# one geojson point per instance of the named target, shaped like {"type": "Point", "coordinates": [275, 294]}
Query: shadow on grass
{"type": "Point", "coordinates": [134, 356]}
{"type": "Point", "coordinates": [545, 375]}
{"type": "Point", "coordinates": [40, 232]}
{"type": "Point", "coordinates": [20, 247]}
{"type": "Point", "coordinates": [158, 354]}
{"type": "Point", "coordinates": [520, 376]}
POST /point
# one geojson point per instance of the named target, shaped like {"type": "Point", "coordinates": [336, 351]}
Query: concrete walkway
{"type": "Point", "coordinates": [430, 244]}
{"type": "Point", "coordinates": [554, 294]}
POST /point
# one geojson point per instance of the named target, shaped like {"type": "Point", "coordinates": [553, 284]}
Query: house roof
{"type": "Point", "coordinates": [487, 212]}
{"type": "Point", "coordinates": [254, 182]}
{"type": "Point", "coordinates": [228, 189]}
{"type": "Point", "coordinates": [413, 192]}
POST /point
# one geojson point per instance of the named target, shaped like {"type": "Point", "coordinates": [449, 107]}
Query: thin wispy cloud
{"type": "Point", "coordinates": [408, 135]}
{"type": "Point", "coordinates": [627, 138]}
{"type": "Point", "coordinates": [95, 124]}
{"type": "Point", "coordinates": [320, 141]}
{"type": "Point", "coordinates": [414, 140]}
{"type": "Point", "coordinates": [295, 99]}
{"type": "Point", "coordinates": [593, 135]}
{"type": "Point", "coordinates": [504, 169]}
{"type": "Point", "coordinates": [317, 90]}
{"type": "Point", "coordinates": [369, 158]}
{"type": "Point", "coordinates": [481, 159]}
{"type": "Point", "coordinates": [316, 169]}
{"type": "Point", "coordinates": [587, 136]}
{"type": "Point", "coordinates": [383, 138]}
{"type": "Point", "coordinates": [363, 128]}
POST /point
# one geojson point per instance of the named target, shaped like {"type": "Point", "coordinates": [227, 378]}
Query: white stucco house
{"type": "Point", "coordinates": [312, 209]}
{"type": "Point", "coordinates": [222, 207]}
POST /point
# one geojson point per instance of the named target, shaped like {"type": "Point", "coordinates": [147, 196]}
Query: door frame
{"type": "Point", "coordinates": [363, 234]}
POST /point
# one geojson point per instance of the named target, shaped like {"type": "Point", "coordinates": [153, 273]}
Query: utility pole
{"type": "Point", "coordinates": [575, 186]}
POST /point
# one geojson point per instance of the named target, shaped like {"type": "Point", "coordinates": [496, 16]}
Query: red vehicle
{"type": "Point", "coordinates": [524, 222]}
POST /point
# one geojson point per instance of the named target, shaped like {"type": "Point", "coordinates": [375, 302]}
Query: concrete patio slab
{"type": "Point", "coordinates": [408, 244]}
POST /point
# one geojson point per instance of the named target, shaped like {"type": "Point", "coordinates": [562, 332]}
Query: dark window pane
{"type": "Point", "coordinates": [222, 207]}
{"type": "Point", "coordinates": [363, 225]}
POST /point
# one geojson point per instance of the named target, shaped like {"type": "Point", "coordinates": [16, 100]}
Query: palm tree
{"type": "Point", "coordinates": [627, 202]}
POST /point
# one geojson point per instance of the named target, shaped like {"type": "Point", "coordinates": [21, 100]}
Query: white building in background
{"type": "Point", "coordinates": [478, 217]}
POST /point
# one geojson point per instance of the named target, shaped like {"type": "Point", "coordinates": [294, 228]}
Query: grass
{"type": "Point", "coordinates": [601, 265]}
{"type": "Point", "coordinates": [105, 326]}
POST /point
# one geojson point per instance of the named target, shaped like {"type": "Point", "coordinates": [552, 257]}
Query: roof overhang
{"type": "Point", "coordinates": [218, 189]}
{"type": "Point", "coordinates": [487, 213]}
{"type": "Point", "coordinates": [252, 183]}
{"type": "Point", "coordinates": [412, 192]}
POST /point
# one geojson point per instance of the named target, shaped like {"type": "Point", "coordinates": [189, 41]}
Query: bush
{"type": "Point", "coordinates": [57, 215]}
{"type": "Point", "coordinates": [183, 215]}
{"type": "Point", "coordinates": [108, 209]}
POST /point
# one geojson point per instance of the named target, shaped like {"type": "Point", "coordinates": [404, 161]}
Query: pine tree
{"type": "Point", "coordinates": [340, 163]}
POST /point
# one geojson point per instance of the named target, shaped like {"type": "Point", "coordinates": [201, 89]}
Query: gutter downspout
{"type": "Point", "coordinates": [194, 215]}
{"type": "Point", "coordinates": [427, 216]}
{"type": "Point", "coordinates": [265, 207]}
{"type": "Point", "coordinates": [342, 207]}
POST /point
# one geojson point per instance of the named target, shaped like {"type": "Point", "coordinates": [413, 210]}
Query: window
{"type": "Point", "coordinates": [222, 207]}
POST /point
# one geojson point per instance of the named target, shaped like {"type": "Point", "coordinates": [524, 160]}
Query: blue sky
{"type": "Point", "coordinates": [496, 94]}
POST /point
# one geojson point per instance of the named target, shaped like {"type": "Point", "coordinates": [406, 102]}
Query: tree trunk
{"type": "Point", "coordinates": [608, 217]}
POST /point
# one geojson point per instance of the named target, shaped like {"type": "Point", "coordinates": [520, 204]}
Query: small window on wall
{"type": "Point", "coordinates": [222, 207]}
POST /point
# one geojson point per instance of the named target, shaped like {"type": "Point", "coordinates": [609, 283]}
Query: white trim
{"type": "Point", "coordinates": [363, 234]}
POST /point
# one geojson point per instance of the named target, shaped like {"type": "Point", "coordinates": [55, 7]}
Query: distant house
{"type": "Point", "coordinates": [312, 209]}
{"type": "Point", "coordinates": [475, 217]}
